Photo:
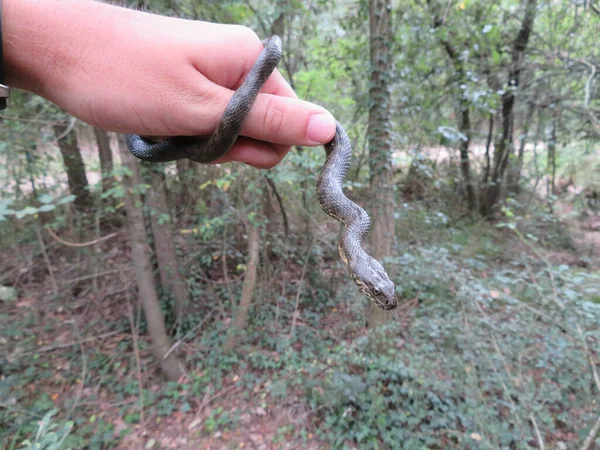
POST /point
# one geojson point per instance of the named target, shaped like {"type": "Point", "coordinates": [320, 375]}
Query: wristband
{"type": "Point", "coordinates": [4, 90]}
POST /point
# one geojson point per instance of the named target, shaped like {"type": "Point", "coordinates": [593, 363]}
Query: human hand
{"type": "Point", "coordinates": [138, 73]}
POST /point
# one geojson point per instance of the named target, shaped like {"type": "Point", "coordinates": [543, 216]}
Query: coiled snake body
{"type": "Point", "coordinates": [368, 274]}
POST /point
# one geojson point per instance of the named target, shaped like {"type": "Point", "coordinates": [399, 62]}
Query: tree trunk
{"type": "Point", "coordinates": [488, 146]}
{"type": "Point", "coordinates": [170, 365]}
{"type": "Point", "coordinates": [464, 118]}
{"type": "Point", "coordinates": [73, 162]}
{"type": "Point", "coordinates": [379, 136]}
{"type": "Point", "coordinates": [160, 219]}
{"type": "Point", "coordinates": [504, 147]}
{"type": "Point", "coordinates": [105, 154]}
{"type": "Point", "coordinates": [184, 173]}
{"type": "Point", "coordinates": [465, 165]}
{"type": "Point", "coordinates": [551, 162]}
{"type": "Point", "coordinates": [514, 176]}
{"type": "Point", "coordinates": [241, 316]}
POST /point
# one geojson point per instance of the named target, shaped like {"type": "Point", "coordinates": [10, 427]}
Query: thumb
{"type": "Point", "coordinates": [288, 121]}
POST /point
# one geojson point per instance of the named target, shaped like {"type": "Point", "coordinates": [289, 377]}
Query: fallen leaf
{"type": "Point", "coordinates": [476, 436]}
{"type": "Point", "coordinates": [194, 424]}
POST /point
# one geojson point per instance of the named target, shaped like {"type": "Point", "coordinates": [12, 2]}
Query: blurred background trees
{"type": "Point", "coordinates": [476, 129]}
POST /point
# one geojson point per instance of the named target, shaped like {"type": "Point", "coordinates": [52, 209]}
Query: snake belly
{"type": "Point", "coordinates": [368, 274]}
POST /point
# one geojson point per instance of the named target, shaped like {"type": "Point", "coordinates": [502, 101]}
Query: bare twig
{"type": "Point", "coordinates": [537, 432]}
{"type": "Point", "coordinates": [82, 244]}
{"type": "Point", "coordinates": [202, 275]}
{"type": "Point", "coordinates": [51, 348]}
{"type": "Point", "coordinates": [299, 291]}
{"type": "Point", "coordinates": [136, 350]}
{"type": "Point", "coordinates": [101, 274]}
{"type": "Point", "coordinates": [504, 365]}
{"type": "Point", "coordinates": [83, 366]}
{"type": "Point", "coordinates": [271, 184]}
{"type": "Point", "coordinates": [591, 437]}
{"type": "Point", "coordinates": [69, 128]}
{"type": "Point", "coordinates": [190, 333]}
{"type": "Point", "coordinates": [48, 263]}
{"type": "Point", "coordinates": [208, 400]}
{"type": "Point", "coordinates": [224, 263]}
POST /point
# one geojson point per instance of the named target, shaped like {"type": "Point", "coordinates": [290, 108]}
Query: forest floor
{"type": "Point", "coordinates": [84, 357]}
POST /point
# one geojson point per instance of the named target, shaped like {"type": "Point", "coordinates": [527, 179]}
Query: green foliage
{"type": "Point", "coordinates": [219, 419]}
{"type": "Point", "coordinates": [469, 374]}
{"type": "Point", "coordinates": [49, 436]}
{"type": "Point", "coordinates": [47, 204]}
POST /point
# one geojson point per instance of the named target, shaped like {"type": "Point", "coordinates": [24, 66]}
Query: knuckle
{"type": "Point", "coordinates": [274, 121]}
{"type": "Point", "coordinates": [245, 34]}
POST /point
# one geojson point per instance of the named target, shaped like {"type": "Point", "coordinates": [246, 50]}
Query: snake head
{"type": "Point", "coordinates": [375, 283]}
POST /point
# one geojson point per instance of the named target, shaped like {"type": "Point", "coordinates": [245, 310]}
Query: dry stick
{"type": "Point", "coordinates": [191, 332]}
{"type": "Point", "coordinates": [83, 368]}
{"type": "Point", "coordinates": [537, 431]}
{"type": "Point", "coordinates": [299, 291]}
{"type": "Point", "coordinates": [491, 363]}
{"type": "Point", "coordinates": [98, 250]}
{"type": "Point", "coordinates": [20, 119]}
{"type": "Point", "coordinates": [271, 184]}
{"type": "Point", "coordinates": [207, 400]}
{"type": "Point", "coordinates": [475, 385]}
{"type": "Point", "coordinates": [592, 436]}
{"type": "Point", "coordinates": [204, 277]}
{"type": "Point", "coordinates": [67, 130]}
{"type": "Point", "coordinates": [51, 348]}
{"type": "Point", "coordinates": [278, 306]}
{"type": "Point", "coordinates": [76, 244]}
{"type": "Point", "coordinates": [224, 262]}
{"type": "Point", "coordinates": [101, 274]}
{"type": "Point", "coordinates": [137, 353]}
{"type": "Point", "coordinates": [48, 264]}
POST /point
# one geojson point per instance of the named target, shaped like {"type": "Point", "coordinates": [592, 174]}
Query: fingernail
{"type": "Point", "coordinates": [321, 128]}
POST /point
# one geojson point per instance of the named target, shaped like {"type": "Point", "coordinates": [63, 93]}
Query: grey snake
{"type": "Point", "coordinates": [368, 274]}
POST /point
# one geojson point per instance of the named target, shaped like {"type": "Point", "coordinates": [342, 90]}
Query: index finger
{"type": "Point", "coordinates": [276, 84]}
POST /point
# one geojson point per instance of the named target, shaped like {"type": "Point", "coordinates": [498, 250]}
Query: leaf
{"type": "Point", "coordinates": [46, 208]}
{"type": "Point", "coordinates": [194, 424]}
{"type": "Point", "coordinates": [26, 212]}
{"type": "Point", "coordinates": [496, 57]}
{"type": "Point", "coordinates": [45, 198]}
{"type": "Point", "coordinates": [67, 199]}
{"type": "Point", "coordinates": [452, 134]}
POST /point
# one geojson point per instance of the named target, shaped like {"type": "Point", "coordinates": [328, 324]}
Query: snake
{"type": "Point", "coordinates": [368, 273]}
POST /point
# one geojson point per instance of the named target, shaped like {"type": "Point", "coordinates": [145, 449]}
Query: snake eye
{"type": "Point", "coordinates": [376, 291]}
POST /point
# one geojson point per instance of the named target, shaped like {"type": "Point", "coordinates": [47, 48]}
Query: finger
{"type": "Point", "coordinates": [255, 153]}
{"type": "Point", "coordinates": [277, 85]}
{"type": "Point", "coordinates": [288, 121]}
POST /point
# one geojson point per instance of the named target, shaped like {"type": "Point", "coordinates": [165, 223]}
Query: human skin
{"type": "Point", "coordinates": [138, 73]}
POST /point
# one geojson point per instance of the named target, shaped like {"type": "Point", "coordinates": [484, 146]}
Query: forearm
{"type": "Point", "coordinates": [44, 40]}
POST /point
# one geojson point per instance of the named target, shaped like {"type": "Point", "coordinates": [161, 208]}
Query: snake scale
{"type": "Point", "coordinates": [368, 274]}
